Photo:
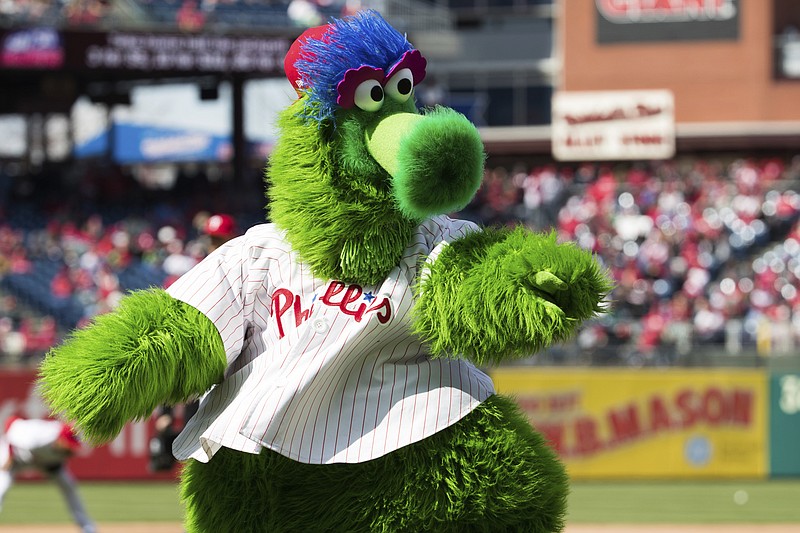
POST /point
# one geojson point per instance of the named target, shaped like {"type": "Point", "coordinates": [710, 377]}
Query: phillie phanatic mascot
{"type": "Point", "coordinates": [337, 348]}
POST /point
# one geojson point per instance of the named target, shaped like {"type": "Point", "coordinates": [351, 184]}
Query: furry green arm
{"type": "Point", "coordinates": [505, 293]}
{"type": "Point", "coordinates": [152, 350]}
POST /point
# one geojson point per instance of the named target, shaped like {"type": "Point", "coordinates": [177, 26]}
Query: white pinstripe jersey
{"type": "Point", "coordinates": [320, 371]}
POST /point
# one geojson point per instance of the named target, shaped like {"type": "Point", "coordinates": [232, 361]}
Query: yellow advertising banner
{"type": "Point", "coordinates": [647, 423]}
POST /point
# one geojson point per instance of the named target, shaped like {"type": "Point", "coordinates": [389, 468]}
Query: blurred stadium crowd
{"type": "Point", "coordinates": [188, 15]}
{"type": "Point", "coordinates": [705, 250]}
{"type": "Point", "coordinates": [705, 253]}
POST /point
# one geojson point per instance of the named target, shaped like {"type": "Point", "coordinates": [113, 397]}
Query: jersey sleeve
{"type": "Point", "coordinates": [439, 232]}
{"type": "Point", "coordinates": [444, 229]}
{"type": "Point", "coordinates": [214, 287]}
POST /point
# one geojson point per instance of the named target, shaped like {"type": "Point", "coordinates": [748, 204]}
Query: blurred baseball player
{"type": "Point", "coordinates": [44, 446]}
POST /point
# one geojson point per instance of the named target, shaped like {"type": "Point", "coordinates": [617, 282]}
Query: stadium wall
{"type": "Point", "coordinates": [605, 423]}
{"type": "Point", "coordinates": [727, 78]}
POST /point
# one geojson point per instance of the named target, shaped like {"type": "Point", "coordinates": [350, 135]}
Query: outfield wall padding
{"type": "Point", "coordinates": [605, 423]}
{"type": "Point", "coordinates": [647, 423]}
{"type": "Point", "coordinates": [784, 424]}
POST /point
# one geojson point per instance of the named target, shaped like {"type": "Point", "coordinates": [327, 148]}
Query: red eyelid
{"type": "Point", "coordinates": [346, 89]}
{"type": "Point", "coordinates": [412, 60]}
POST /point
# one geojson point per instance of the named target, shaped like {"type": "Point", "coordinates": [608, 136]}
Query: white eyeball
{"type": "Point", "coordinates": [400, 85]}
{"type": "Point", "coordinates": [369, 95]}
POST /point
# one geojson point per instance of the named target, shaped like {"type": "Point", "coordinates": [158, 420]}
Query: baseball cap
{"type": "Point", "coordinates": [316, 33]}
{"type": "Point", "coordinates": [220, 225]}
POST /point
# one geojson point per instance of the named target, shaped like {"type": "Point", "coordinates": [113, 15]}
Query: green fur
{"type": "Point", "coordinates": [490, 472]}
{"type": "Point", "coordinates": [507, 293]}
{"type": "Point", "coordinates": [333, 200]}
{"type": "Point", "coordinates": [343, 213]}
{"type": "Point", "coordinates": [152, 350]}
{"type": "Point", "coordinates": [440, 165]}
{"type": "Point", "coordinates": [491, 295]}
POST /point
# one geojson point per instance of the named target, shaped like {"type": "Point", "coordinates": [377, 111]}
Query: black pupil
{"type": "Point", "coordinates": [376, 93]}
{"type": "Point", "coordinates": [404, 86]}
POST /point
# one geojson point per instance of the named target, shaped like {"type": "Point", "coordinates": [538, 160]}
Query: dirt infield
{"type": "Point", "coordinates": [101, 528]}
{"type": "Point", "coordinates": [682, 528]}
{"type": "Point", "coordinates": [576, 528]}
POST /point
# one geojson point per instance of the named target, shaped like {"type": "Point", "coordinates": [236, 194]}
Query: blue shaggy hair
{"type": "Point", "coordinates": [351, 42]}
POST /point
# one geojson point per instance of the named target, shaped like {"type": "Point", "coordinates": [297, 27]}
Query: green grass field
{"type": "Point", "coordinates": [686, 502]}
{"type": "Point", "coordinates": [701, 502]}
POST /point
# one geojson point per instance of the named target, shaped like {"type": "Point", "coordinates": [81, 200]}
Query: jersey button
{"type": "Point", "coordinates": [319, 325]}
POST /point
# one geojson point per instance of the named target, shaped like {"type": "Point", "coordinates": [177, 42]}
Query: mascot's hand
{"type": "Point", "coordinates": [507, 293]}
{"type": "Point", "coordinates": [564, 278]}
{"type": "Point", "coordinates": [152, 350]}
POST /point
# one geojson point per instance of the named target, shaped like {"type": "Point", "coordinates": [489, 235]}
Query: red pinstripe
{"type": "Point", "coordinates": [305, 372]}
{"type": "Point", "coordinates": [309, 417]}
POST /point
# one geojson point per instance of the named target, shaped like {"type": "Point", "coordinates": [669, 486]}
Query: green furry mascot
{"type": "Point", "coordinates": [336, 348]}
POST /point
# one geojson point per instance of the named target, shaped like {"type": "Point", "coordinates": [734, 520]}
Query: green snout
{"type": "Point", "coordinates": [436, 160]}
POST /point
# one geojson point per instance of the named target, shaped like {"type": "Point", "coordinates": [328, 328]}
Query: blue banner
{"type": "Point", "coordinates": [147, 144]}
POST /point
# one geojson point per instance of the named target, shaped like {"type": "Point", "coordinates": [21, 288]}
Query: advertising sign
{"type": "Point", "coordinates": [32, 48]}
{"type": "Point", "coordinates": [126, 457]}
{"type": "Point", "coordinates": [620, 21]}
{"type": "Point", "coordinates": [613, 125]}
{"type": "Point", "coordinates": [182, 53]}
{"type": "Point", "coordinates": [147, 53]}
{"type": "Point", "coordinates": [785, 424]}
{"type": "Point", "coordinates": [660, 424]}
{"type": "Point", "coordinates": [143, 144]}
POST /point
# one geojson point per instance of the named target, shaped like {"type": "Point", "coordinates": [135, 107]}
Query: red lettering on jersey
{"type": "Point", "coordinates": [300, 314]}
{"type": "Point", "coordinates": [279, 308]}
{"type": "Point", "coordinates": [283, 299]}
{"type": "Point", "coordinates": [352, 294]}
{"type": "Point", "coordinates": [384, 305]}
{"type": "Point", "coordinates": [333, 289]}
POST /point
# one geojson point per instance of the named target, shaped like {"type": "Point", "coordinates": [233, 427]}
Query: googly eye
{"type": "Point", "coordinates": [369, 95]}
{"type": "Point", "coordinates": [400, 85]}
